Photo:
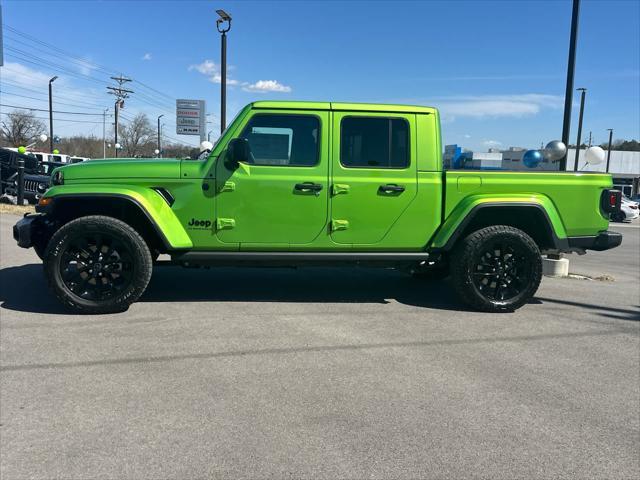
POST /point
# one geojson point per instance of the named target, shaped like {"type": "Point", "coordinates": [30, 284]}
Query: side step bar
{"type": "Point", "coordinates": [194, 259]}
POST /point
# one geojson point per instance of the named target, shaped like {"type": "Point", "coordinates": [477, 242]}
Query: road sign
{"type": "Point", "coordinates": [190, 117]}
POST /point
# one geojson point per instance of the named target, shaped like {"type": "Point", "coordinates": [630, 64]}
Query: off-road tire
{"type": "Point", "coordinates": [521, 271]}
{"type": "Point", "coordinates": [133, 255]}
{"type": "Point", "coordinates": [40, 249]}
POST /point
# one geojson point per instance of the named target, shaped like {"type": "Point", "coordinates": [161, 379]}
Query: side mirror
{"type": "Point", "coordinates": [238, 151]}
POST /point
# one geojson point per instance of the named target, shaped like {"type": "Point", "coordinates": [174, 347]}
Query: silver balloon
{"type": "Point", "coordinates": [554, 151]}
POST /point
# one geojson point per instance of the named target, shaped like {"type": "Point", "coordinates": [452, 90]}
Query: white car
{"type": "Point", "coordinates": [628, 211]}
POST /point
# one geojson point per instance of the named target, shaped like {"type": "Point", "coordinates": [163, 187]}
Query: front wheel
{"type": "Point", "coordinates": [97, 264]}
{"type": "Point", "coordinates": [496, 269]}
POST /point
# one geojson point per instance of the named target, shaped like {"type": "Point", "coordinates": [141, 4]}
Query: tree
{"type": "Point", "coordinates": [81, 146]}
{"type": "Point", "coordinates": [623, 145]}
{"type": "Point", "coordinates": [20, 129]}
{"type": "Point", "coordinates": [138, 137]}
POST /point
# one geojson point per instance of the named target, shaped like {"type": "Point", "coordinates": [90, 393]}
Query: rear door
{"type": "Point", "coordinates": [374, 175]}
{"type": "Point", "coordinates": [280, 197]}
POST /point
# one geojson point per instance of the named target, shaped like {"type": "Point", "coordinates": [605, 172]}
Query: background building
{"type": "Point", "coordinates": [624, 166]}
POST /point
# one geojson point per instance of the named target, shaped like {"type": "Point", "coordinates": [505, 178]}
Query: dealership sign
{"type": "Point", "coordinates": [190, 117]}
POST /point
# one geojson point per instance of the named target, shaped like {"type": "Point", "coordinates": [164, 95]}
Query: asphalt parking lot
{"type": "Point", "coordinates": [321, 373]}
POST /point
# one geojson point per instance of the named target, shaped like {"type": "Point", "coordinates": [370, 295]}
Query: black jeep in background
{"type": "Point", "coordinates": [36, 174]}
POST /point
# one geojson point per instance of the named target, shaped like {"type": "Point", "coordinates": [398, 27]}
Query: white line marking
{"type": "Point", "coordinates": [622, 225]}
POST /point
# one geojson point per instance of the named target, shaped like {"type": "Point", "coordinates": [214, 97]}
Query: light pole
{"type": "Point", "coordinates": [116, 107]}
{"type": "Point", "coordinates": [159, 143]}
{"type": "Point", "coordinates": [571, 67]}
{"type": "Point", "coordinates": [584, 92]}
{"type": "Point", "coordinates": [53, 79]}
{"type": "Point", "coordinates": [224, 18]}
{"type": "Point", "coordinates": [104, 133]}
{"type": "Point", "coordinates": [609, 148]}
{"type": "Point", "coordinates": [209, 135]}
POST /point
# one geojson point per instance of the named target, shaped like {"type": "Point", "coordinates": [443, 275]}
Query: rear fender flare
{"type": "Point", "coordinates": [468, 209]}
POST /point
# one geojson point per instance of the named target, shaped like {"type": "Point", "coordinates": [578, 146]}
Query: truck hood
{"type": "Point", "coordinates": [122, 168]}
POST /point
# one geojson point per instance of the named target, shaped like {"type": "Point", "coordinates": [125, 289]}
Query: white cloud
{"type": "Point", "coordinates": [28, 77]}
{"type": "Point", "coordinates": [491, 143]}
{"type": "Point", "coordinates": [208, 67]}
{"type": "Point", "coordinates": [497, 105]}
{"type": "Point", "coordinates": [211, 69]}
{"type": "Point", "coordinates": [263, 86]}
{"type": "Point", "coordinates": [86, 66]}
{"type": "Point", "coordinates": [466, 135]}
{"type": "Point", "coordinates": [147, 56]}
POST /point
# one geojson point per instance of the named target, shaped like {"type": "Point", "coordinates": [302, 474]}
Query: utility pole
{"type": "Point", "coordinates": [104, 133]}
{"type": "Point", "coordinates": [51, 114]}
{"type": "Point", "coordinates": [590, 132]}
{"type": "Point", "coordinates": [609, 148]}
{"type": "Point", "coordinates": [224, 17]}
{"type": "Point", "coordinates": [584, 92]}
{"type": "Point", "coordinates": [571, 67]}
{"type": "Point", "coordinates": [120, 94]}
{"type": "Point", "coordinates": [159, 143]}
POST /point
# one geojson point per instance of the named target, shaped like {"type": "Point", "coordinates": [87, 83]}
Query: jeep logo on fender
{"type": "Point", "coordinates": [199, 224]}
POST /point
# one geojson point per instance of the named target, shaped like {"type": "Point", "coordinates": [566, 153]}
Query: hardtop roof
{"type": "Point", "coordinates": [341, 106]}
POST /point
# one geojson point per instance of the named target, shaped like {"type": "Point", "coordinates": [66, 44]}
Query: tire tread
{"type": "Point", "coordinates": [468, 247]}
{"type": "Point", "coordinates": [117, 304]}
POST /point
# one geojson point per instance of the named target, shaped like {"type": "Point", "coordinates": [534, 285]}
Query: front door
{"type": "Point", "coordinates": [374, 175]}
{"type": "Point", "coordinates": [280, 197]}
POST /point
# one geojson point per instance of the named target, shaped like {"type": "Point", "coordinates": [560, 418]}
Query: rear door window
{"type": "Point", "coordinates": [374, 142]}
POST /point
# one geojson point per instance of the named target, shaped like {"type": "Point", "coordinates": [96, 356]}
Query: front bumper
{"type": "Point", "coordinates": [603, 241]}
{"type": "Point", "coordinates": [27, 229]}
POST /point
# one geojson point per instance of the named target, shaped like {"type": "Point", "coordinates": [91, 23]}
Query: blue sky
{"type": "Point", "coordinates": [495, 69]}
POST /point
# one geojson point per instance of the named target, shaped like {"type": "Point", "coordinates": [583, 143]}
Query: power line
{"type": "Point", "coordinates": [77, 99]}
{"type": "Point", "coordinates": [40, 99]}
{"type": "Point", "coordinates": [25, 57]}
{"type": "Point", "coordinates": [74, 58]}
{"type": "Point", "coordinates": [66, 56]}
{"type": "Point", "coordinates": [46, 110]}
{"type": "Point", "coordinates": [55, 48]}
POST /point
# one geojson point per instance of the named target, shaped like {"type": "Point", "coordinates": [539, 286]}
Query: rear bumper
{"type": "Point", "coordinates": [603, 241]}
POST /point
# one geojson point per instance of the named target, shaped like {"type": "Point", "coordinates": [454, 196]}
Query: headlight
{"type": "Point", "coordinates": [57, 178]}
{"type": "Point", "coordinates": [42, 187]}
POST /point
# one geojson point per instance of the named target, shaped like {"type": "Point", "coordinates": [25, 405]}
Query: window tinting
{"type": "Point", "coordinates": [374, 142]}
{"type": "Point", "coordinates": [283, 139]}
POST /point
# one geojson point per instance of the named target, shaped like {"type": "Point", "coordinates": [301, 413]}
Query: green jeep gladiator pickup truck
{"type": "Point", "coordinates": [314, 183]}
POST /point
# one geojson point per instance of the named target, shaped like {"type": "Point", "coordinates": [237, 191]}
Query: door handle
{"type": "Point", "coordinates": [391, 188]}
{"type": "Point", "coordinates": [307, 187]}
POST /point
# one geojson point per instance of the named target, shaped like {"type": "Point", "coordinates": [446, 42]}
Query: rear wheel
{"type": "Point", "coordinates": [97, 264]}
{"type": "Point", "coordinates": [497, 269]}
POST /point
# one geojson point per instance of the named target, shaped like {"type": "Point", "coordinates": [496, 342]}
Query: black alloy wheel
{"type": "Point", "coordinates": [502, 272]}
{"type": "Point", "coordinates": [496, 269]}
{"type": "Point", "coordinates": [97, 264]}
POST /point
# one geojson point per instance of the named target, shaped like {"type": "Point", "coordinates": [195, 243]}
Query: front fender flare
{"type": "Point", "coordinates": [150, 202]}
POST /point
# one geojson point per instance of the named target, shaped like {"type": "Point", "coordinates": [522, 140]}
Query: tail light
{"type": "Point", "coordinates": [611, 200]}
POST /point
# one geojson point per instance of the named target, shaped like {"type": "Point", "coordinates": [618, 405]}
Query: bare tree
{"type": "Point", "coordinates": [81, 146]}
{"type": "Point", "coordinates": [20, 129]}
{"type": "Point", "coordinates": [138, 137]}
